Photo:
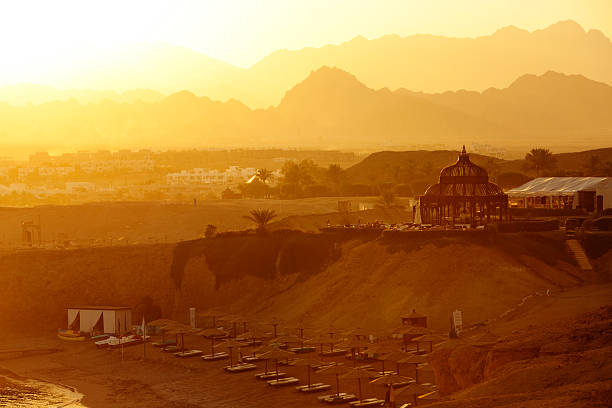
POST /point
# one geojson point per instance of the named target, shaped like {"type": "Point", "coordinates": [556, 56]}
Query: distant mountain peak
{"type": "Point", "coordinates": [510, 30]}
{"type": "Point", "coordinates": [565, 27]}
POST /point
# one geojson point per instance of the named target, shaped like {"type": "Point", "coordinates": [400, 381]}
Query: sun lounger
{"type": "Point", "coordinates": [251, 358]}
{"type": "Point", "coordinates": [302, 350]}
{"type": "Point", "coordinates": [269, 376]}
{"type": "Point", "coordinates": [188, 353]}
{"type": "Point", "coordinates": [317, 387]}
{"type": "Point", "coordinates": [171, 349]}
{"type": "Point", "coordinates": [283, 381]}
{"type": "Point", "coordinates": [370, 402]}
{"type": "Point", "coordinates": [239, 368]}
{"type": "Point", "coordinates": [343, 398]}
{"type": "Point", "coordinates": [286, 363]}
{"type": "Point", "coordinates": [339, 352]}
{"type": "Point", "coordinates": [214, 357]}
{"type": "Point", "coordinates": [322, 397]}
{"type": "Point", "coordinates": [164, 343]}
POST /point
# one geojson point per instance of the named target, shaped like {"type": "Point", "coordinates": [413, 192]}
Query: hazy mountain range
{"type": "Point", "coordinates": [424, 63]}
{"type": "Point", "coordinates": [331, 108]}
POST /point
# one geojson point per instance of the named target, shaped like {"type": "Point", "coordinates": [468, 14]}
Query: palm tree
{"type": "Point", "coordinates": [264, 175]}
{"type": "Point", "coordinates": [261, 218]}
{"type": "Point", "coordinates": [386, 199]}
{"type": "Point", "coordinates": [540, 159]}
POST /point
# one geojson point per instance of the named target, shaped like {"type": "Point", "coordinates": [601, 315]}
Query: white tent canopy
{"type": "Point", "coordinates": [557, 186]}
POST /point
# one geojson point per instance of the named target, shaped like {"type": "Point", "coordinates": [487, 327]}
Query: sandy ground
{"type": "Point", "coordinates": [149, 222]}
{"type": "Point", "coordinates": [162, 380]}
{"type": "Point", "coordinates": [108, 379]}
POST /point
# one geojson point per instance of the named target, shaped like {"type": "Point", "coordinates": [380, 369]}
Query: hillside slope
{"type": "Point", "coordinates": [347, 279]}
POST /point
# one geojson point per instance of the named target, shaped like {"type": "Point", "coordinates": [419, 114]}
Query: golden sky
{"type": "Point", "coordinates": [39, 37]}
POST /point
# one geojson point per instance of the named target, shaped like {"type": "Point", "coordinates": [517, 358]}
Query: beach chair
{"type": "Point", "coordinates": [239, 368]}
{"type": "Point", "coordinates": [214, 357]}
{"type": "Point", "coordinates": [188, 353]}
{"type": "Point", "coordinates": [317, 387]}
{"type": "Point", "coordinates": [303, 350]}
{"type": "Point", "coordinates": [283, 381]}
{"type": "Point", "coordinates": [339, 399]}
{"type": "Point", "coordinates": [162, 344]}
{"type": "Point", "coordinates": [369, 402]}
{"type": "Point", "coordinates": [339, 352]}
{"type": "Point", "coordinates": [269, 375]}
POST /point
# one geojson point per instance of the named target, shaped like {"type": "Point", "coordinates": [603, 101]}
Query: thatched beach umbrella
{"type": "Point", "coordinates": [409, 332]}
{"type": "Point", "coordinates": [431, 339]}
{"type": "Point", "coordinates": [231, 344]}
{"type": "Point", "coordinates": [309, 363]}
{"type": "Point", "coordinates": [394, 356]}
{"type": "Point", "coordinates": [394, 380]}
{"type": "Point", "coordinates": [324, 339]}
{"type": "Point", "coordinates": [164, 325]}
{"type": "Point", "coordinates": [275, 322]}
{"type": "Point", "coordinates": [358, 374]}
{"type": "Point", "coordinates": [213, 314]}
{"type": "Point", "coordinates": [182, 331]}
{"type": "Point", "coordinates": [276, 354]}
{"type": "Point", "coordinates": [416, 360]}
{"type": "Point", "coordinates": [212, 333]}
{"type": "Point", "coordinates": [416, 390]}
{"type": "Point", "coordinates": [337, 370]}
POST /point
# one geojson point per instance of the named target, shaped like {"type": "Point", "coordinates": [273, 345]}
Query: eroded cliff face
{"type": "Point", "coordinates": [531, 359]}
{"type": "Point", "coordinates": [352, 278]}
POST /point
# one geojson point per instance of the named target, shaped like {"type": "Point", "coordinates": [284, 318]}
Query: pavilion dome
{"type": "Point", "coordinates": [464, 178]}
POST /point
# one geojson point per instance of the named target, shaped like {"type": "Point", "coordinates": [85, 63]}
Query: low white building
{"type": "Point", "coordinates": [589, 193]}
{"type": "Point", "coordinates": [106, 319]}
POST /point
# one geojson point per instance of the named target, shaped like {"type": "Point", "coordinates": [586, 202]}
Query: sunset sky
{"type": "Point", "coordinates": [41, 36]}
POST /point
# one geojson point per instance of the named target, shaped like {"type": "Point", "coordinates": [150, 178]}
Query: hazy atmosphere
{"type": "Point", "coordinates": [284, 203]}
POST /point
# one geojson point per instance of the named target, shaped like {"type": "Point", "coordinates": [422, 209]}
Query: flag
{"type": "Point", "coordinates": [143, 327]}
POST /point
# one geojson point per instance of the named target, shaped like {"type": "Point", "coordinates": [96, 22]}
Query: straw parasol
{"type": "Point", "coordinates": [386, 349]}
{"type": "Point", "coordinates": [231, 344]}
{"type": "Point", "coordinates": [275, 322]}
{"type": "Point", "coordinates": [359, 374]}
{"type": "Point", "coordinates": [308, 362]}
{"type": "Point", "coordinates": [212, 333]}
{"type": "Point", "coordinates": [416, 360]}
{"type": "Point", "coordinates": [235, 320]}
{"type": "Point", "coordinates": [409, 332]}
{"type": "Point", "coordinates": [416, 390]}
{"type": "Point", "coordinates": [182, 331]}
{"type": "Point", "coordinates": [431, 339]}
{"type": "Point", "coordinates": [394, 356]}
{"type": "Point", "coordinates": [337, 370]}
{"type": "Point", "coordinates": [354, 345]}
{"type": "Point", "coordinates": [394, 380]}
{"type": "Point", "coordinates": [164, 324]}
{"type": "Point", "coordinates": [212, 314]}
{"type": "Point", "coordinates": [276, 354]}
{"type": "Point", "coordinates": [323, 339]}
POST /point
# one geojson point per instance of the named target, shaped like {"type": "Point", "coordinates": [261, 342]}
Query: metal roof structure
{"type": "Point", "coordinates": [557, 186]}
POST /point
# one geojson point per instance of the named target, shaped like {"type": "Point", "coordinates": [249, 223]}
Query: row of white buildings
{"type": "Point", "coordinates": [233, 174]}
{"type": "Point", "coordinates": [88, 167]}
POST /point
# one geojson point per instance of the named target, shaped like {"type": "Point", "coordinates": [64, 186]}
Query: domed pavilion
{"type": "Point", "coordinates": [463, 195]}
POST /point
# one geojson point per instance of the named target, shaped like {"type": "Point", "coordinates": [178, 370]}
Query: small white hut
{"type": "Point", "coordinates": [104, 319]}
